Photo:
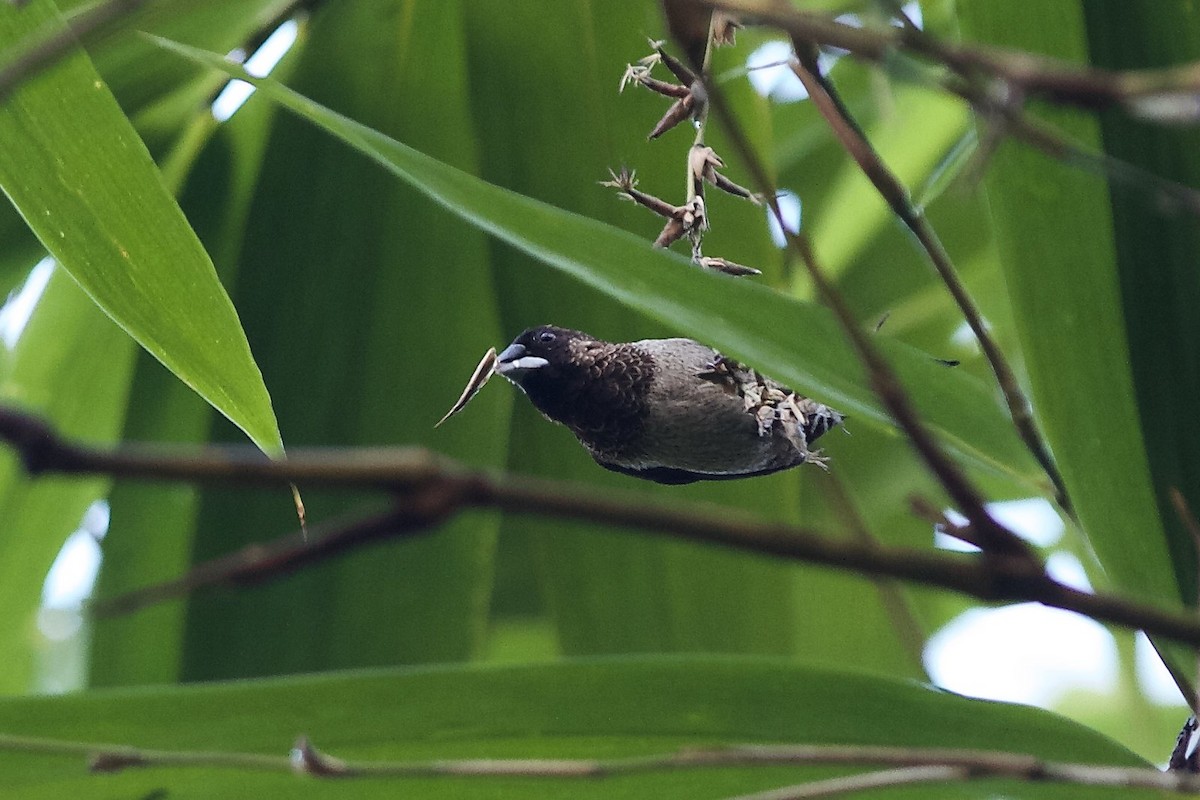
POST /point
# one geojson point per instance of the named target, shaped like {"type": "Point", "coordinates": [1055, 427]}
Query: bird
{"type": "Point", "coordinates": [672, 411]}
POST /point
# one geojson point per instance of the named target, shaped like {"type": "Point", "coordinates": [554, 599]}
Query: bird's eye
{"type": "Point", "coordinates": [545, 337]}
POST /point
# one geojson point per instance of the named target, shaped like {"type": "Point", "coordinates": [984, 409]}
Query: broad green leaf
{"type": "Point", "coordinates": [592, 709]}
{"type": "Point", "coordinates": [84, 183]}
{"type": "Point", "coordinates": [71, 366]}
{"type": "Point", "coordinates": [368, 309]}
{"type": "Point", "coordinates": [748, 321]}
{"type": "Point", "coordinates": [1059, 248]}
{"type": "Point", "coordinates": [152, 526]}
{"type": "Point", "coordinates": [1155, 262]}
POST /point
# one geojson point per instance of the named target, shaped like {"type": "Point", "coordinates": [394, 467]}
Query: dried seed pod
{"type": "Point", "coordinates": [703, 161]}
{"type": "Point", "coordinates": [681, 109]}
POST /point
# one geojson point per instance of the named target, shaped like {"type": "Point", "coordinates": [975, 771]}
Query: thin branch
{"type": "Point", "coordinates": [430, 488]}
{"type": "Point", "coordinates": [306, 759]}
{"type": "Point", "coordinates": [998, 540]}
{"type": "Point", "coordinates": [99, 20]}
{"type": "Point", "coordinates": [1037, 76]}
{"type": "Point", "coordinates": [267, 561]}
{"type": "Point", "coordinates": [880, 779]}
{"type": "Point", "coordinates": [1183, 511]}
{"type": "Point", "coordinates": [976, 71]}
{"type": "Point", "coordinates": [853, 139]}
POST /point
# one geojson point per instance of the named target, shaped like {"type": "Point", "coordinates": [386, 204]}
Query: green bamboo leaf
{"type": "Point", "coordinates": [1058, 248]}
{"type": "Point", "coordinates": [396, 279]}
{"type": "Point", "coordinates": [77, 172]}
{"type": "Point", "coordinates": [594, 709]}
{"type": "Point", "coordinates": [1155, 259]}
{"type": "Point", "coordinates": [152, 527]}
{"type": "Point", "coordinates": [748, 321]}
{"type": "Point", "coordinates": [71, 366]}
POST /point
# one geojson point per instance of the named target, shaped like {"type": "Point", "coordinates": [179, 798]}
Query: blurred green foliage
{"type": "Point", "coordinates": [366, 303]}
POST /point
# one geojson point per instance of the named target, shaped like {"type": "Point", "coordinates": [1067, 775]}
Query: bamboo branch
{"type": "Point", "coordinates": [825, 97]}
{"type": "Point", "coordinates": [1141, 92]}
{"type": "Point", "coordinates": [304, 758]}
{"type": "Point", "coordinates": [996, 539]}
{"type": "Point", "coordinates": [996, 83]}
{"type": "Point", "coordinates": [429, 489]}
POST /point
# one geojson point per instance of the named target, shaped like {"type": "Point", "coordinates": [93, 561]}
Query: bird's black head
{"type": "Point", "coordinates": [593, 387]}
{"type": "Point", "coordinates": [540, 355]}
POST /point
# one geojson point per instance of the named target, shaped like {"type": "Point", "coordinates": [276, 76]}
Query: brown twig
{"type": "Point", "coordinates": [430, 488]}
{"type": "Point", "coordinates": [861, 782]}
{"type": "Point", "coordinates": [997, 540]}
{"type": "Point", "coordinates": [996, 82]}
{"type": "Point", "coordinates": [307, 759]}
{"type": "Point", "coordinates": [1036, 76]}
{"type": "Point", "coordinates": [826, 99]}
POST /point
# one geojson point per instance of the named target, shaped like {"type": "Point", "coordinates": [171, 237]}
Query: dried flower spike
{"type": "Point", "coordinates": [688, 220]}
{"type": "Point", "coordinates": [690, 99]}
{"type": "Point", "coordinates": [625, 182]}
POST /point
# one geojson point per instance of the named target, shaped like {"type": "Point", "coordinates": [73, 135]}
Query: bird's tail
{"type": "Point", "coordinates": [818, 419]}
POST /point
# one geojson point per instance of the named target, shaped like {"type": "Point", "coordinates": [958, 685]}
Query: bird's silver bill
{"type": "Point", "coordinates": [514, 360]}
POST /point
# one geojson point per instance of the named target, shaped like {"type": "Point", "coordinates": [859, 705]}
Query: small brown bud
{"type": "Point", "coordinates": [681, 72]}
{"type": "Point", "coordinates": [640, 73]}
{"type": "Point", "coordinates": [724, 28]}
{"type": "Point", "coordinates": [703, 161]}
{"type": "Point", "coordinates": [672, 232]}
{"type": "Point", "coordinates": [681, 109]}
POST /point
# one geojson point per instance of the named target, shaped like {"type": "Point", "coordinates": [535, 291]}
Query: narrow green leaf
{"type": "Point", "coordinates": [153, 526]}
{"type": "Point", "coordinates": [594, 709]}
{"type": "Point", "coordinates": [794, 342]}
{"type": "Point", "coordinates": [77, 172]}
{"type": "Point", "coordinates": [1155, 259]}
{"type": "Point", "coordinates": [1058, 247]}
{"type": "Point", "coordinates": [404, 292]}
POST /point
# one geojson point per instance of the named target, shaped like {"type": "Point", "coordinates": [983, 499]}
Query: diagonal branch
{"type": "Point", "coordinates": [997, 540]}
{"type": "Point", "coordinates": [850, 134]}
{"type": "Point", "coordinates": [58, 43]}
